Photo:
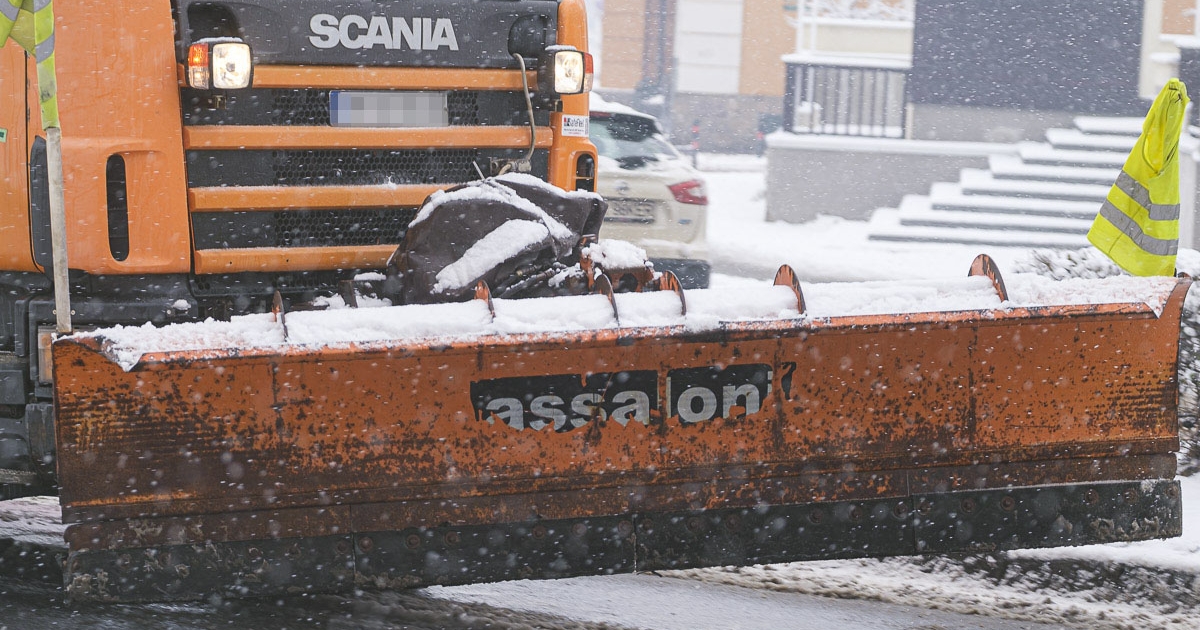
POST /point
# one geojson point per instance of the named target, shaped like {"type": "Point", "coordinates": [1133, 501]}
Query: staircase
{"type": "Point", "coordinates": [1045, 195]}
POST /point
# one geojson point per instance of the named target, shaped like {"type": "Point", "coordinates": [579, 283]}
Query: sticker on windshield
{"type": "Point", "coordinates": [575, 126]}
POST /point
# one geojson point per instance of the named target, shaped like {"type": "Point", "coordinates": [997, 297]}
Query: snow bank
{"type": "Point", "coordinates": [32, 520]}
{"type": "Point", "coordinates": [706, 309]}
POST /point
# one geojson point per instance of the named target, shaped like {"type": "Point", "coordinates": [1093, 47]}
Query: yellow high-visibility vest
{"type": "Point", "coordinates": [1138, 224]}
{"type": "Point", "coordinates": [30, 23]}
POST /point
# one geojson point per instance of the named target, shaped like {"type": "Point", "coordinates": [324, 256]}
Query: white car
{"type": "Point", "coordinates": [656, 200]}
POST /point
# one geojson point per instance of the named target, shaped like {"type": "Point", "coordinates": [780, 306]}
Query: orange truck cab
{"type": "Point", "coordinates": [189, 195]}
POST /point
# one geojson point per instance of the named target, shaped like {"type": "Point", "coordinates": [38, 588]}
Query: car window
{"type": "Point", "coordinates": [630, 140]}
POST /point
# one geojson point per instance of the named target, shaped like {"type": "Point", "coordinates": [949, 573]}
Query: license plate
{"type": "Point", "coordinates": [388, 109]}
{"type": "Point", "coordinates": [631, 211]}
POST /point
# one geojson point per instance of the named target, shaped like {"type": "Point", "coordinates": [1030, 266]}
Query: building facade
{"type": "Point", "coordinates": [717, 66]}
{"type": "Point", "coordinates": [712, 62]}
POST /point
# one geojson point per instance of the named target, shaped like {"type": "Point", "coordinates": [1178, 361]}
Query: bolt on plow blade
{"type": "Point", "coordinates": [460, 447]}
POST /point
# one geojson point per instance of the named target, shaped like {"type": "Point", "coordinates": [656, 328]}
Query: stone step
{"type": "Point", "coordinates": [980, 182]}
{"type": "Point", "coordinates": [886, 225]}
{"type": "Point", "coordinates": [1107, 125]}
{"type": "Point", "coordinates": [1077, 140]}
{"type": "Point", "coordinates": [1046, 195]}
{"type": "Point", "coordinates": [918, 210]}
{"type": "Point", "coordinates": [1042, 153]}
{"type": "Point", "coordinates": [1013, 167]}
{"type": "Point", "coordinates": [949, 197]}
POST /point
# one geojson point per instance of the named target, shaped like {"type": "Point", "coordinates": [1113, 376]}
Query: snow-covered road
{"type": "Point", "coordinates": [1141, 585]}
{"type": "Point", "coordinates": [612, 603]}
{"type": "Point", "coordinates": [679, 603]}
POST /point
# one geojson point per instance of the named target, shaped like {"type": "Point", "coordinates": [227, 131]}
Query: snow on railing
{"type": "Point", "coordinates": [883, 10]}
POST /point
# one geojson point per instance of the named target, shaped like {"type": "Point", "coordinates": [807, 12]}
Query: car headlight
{"type": "Point", "coordinates": [222, 65]}
{"type": "Point", "coordinates": [565, 70]}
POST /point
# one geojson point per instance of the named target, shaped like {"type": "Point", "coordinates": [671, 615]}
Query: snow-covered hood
{"type": "Point", "coordinates": [665, 168]}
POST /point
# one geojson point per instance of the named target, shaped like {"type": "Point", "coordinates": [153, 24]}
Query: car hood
{"type": "Point", "coordinates": [671, 170]}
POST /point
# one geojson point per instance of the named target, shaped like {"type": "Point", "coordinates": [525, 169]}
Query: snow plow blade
{"type": "Point", "coordinates": [618, 445]}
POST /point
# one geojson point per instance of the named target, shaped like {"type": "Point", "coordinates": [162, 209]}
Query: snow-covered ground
{"type": "Point", "coordinates": [1154, 584]}
{"type": "Point", "coordinates": [829, 249]}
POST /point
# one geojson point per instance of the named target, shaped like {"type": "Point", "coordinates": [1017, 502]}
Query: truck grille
{"type": "Point", "coordinates": [309, 228]}
{"type": "Point", "coordinates": [300, 107]}
{"type": "Point", "coordinates": [309, 107]}
{"type": "Point", "coordinates": [352, 167]}
{"type": "Point", "coordinates": [301, 228]}
{"type": "Point", "coordinates": [380, 220]}
{"type": "Point", "coordinates": [348, 167]}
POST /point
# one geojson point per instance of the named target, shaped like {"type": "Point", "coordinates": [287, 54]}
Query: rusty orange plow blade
{"type": "Point", "coordinates": [617, 447]}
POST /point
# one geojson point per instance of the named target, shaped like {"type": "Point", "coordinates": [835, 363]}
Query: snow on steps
{"type": "Point", "coordinates": [1042, 153]}
{"type": "Point", "coordinates": [1076, 139]}
{"type": "Point", "coordinates": [885, 225]}
{"type": "Point", "coordinates": [980, 182]}
{"type": "Point", "coordinates": [1125, 126]}
{"type": "Point", "coordinates": [1013, 167]}
{"type": "Point", "coordinates": [948, 196]}
{"type": "Point", "coordinates": [919, 210]}
{"type": "Point", "coordinates": [1044, 196]}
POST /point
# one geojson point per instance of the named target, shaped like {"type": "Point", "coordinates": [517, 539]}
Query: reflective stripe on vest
{"type": "Point", "coordinates": [30, 23]}
{"type": "Point", "coordinates": [8, 15]}
{"type": "Point", "coordinates": [1130, 229]}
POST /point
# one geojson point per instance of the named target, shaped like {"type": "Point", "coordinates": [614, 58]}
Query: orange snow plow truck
{"type": "Point", "coordinates": [226, 162]}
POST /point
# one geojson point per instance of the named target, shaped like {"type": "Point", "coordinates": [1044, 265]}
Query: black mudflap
{"type": "Point", "coordinates": [847, 529]}
{"type": "Point", "coordinates": [466, 555]}
{"type": "Point", "coordinates": [228, 569]}
{"type": "Point", "coordinates": [1047, 516]}
{"type": "Point", "coordinates": [984, 520]}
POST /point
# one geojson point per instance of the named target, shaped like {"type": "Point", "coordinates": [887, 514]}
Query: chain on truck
{"type": "Point", "coordinates": [216, 152]}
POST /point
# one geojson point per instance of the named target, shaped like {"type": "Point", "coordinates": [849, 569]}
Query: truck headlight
{"type": "Point", "coordinates": [231, 66]}
{"type": "Point", "coordinates": [222, 65]}
{"type": "Point", "coordinates": [565, 70]}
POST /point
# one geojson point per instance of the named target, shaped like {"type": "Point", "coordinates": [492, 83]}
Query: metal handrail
{"type": "Point", "coordinates": [846, 96]}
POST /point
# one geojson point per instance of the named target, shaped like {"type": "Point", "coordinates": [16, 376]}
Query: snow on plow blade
{"type": "Point", "coordinates": [649, 432]}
